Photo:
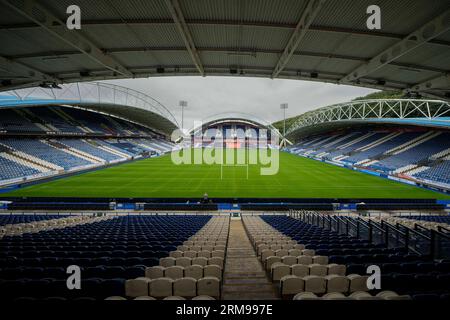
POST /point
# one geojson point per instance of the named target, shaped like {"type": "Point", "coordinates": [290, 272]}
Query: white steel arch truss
{"type": "Point", "coordinates": [95, 93]}
{"type": "Point", "coordinates": [373, 109]}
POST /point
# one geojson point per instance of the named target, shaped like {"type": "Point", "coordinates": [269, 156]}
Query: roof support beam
{"type": "Point", "coordinates": [16, 69]}
{"type": "Point", "coordinates": [439, 82]}
{"type": "Point", "coordinates": [230, 23]}
{"type": "Point", "coordinates": [429, 31]}
{"type": "Point", "coordinates": [242, 51]}
{"type": "Point", "coordinates": [183, 29]}
{"type": "Point", "coordinates": [71, 37]}
{"type": "Point", "coordinates": [312, 9]}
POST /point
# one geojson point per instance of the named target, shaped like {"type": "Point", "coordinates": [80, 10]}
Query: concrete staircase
{"type": "Point", "coordinates": [244, 276]}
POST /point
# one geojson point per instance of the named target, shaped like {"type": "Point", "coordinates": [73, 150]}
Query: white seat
{"type": "Point", "coordinates": [189, 254]}
{"type": "Point", "coordinates": [267, 253]}
{"type": "Point", "coordinates": [275, 247]}
{"type": "Point", "coordinates": [338, 269]}
{"type": "Point", "coordinates": [261, 247]}
{"type": "Point", "coordinates": [295, 252]}
{"type": "Point", "coordinates": [306, 260]}
{"type": "Point", "coordinates": [281, 252]}
{"type": "Point", "coordinates": [289, 260]}
{"type": "Point", "coordinates": [218, 253]}
{"type": "Point", "coordinates": [201, 261]}
{"type": "Point", "coordinates": [144, 298]}
{"type": "Point", "coordinates": [360, 295]}
{"type": "Point", "coordinates": [209, 286]}
{"type": "Point", "coordinates": [213, 271]}
{"type": "Point", "coordinates": [278, 270]}
{"type": "Point", "coordinates": [174, 298]}
{"type": "Point", "coordinates": [271, 260]}
{"type": "Point", "coordinates": [206, 254]}
{"type": "Point", "coordinates": [334, 296]}
{"type": "Point", "coordinates": [137, 287]}
{"type": "Point", "coordinates": [337, 283]}
{"type": "Point", "coordinates": [318, 270]}
{"type": "Point", "coordinates": [194, 271]}
{"type": "Point", "coordinates": [308, 252]}
{"type": "Point", "coordinates": [207, 248]}
{"type": "Point", "coordinates": [217, 261]}
{"type": "Point", "coordinates": [183, 261]}
{"type": "Point", "coordinates": [291, 284]}
{"type": "Point", "coordinates": [203, 298]}
{"type": "Point", "coordinates": [185, 287]}
{"type": "Point", "coordinates": [300, 270]}
{"type": "Point", "coordinates": [357, 282]}
{"type": "Point", "coordinates": [161, 287]}
{"type": "Point", "coordinates": [320, 260]}
{"type": "Point", "coordinates": [174, 272]}
{"type": "Point", "coordinates": [299, 246]}
{"type": "Point", "coordinates": [176, 254]}
{"type": "Point", "coordinates": [167, 261]}
{"type": "Point", "coordinates": [305, 296]}
{"type": "Point", "coordinates": [315, 284]}
{"type": "Point", "coordinates": [385, 294]}
{"type": "Point", "coordinates": [154, 272]}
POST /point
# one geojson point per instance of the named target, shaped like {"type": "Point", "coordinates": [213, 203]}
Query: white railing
{"type": "Point", "coordinates": [373, 109]}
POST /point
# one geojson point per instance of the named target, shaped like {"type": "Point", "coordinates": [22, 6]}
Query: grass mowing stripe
{"type": "Point", "coordinates": [158, 177]}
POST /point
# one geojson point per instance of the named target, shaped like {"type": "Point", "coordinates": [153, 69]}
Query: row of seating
{"type": "Point", "coordinates": [10, 218]}
{"type": "Point", "coordinates": [431, 218]}
{"type": "Point", "coordinates": [176, 272]}
{"type": "Point", "coordinates": [292, 284]}
{"type": "Point", "coordinates": [358, 295]}
{"type": "Point", "coordinates": [56, 155]}
{"type": "Point", "coordinates": [185, 273]}
{"type": "Point", "coordinates": [194, 254]}
{"type": "Point", "coordinates": [410, 222]}
{"type": "Point", "coordinates": [186, 287]}
{"type": "Point", "coordinates": [204, 297]}
{"type": "Point", "coordinates": [48, 224]}
{"type": "Point", "coordinates": [373, 149]}
{"type": "Point", "coordinates": [405, 273]}
{"type": "Point", "coordinates": [29, 269]}
{"type": "Point", "coordinates": [186, 261]}
{"type": "Point", "coordinates": [279, 270]}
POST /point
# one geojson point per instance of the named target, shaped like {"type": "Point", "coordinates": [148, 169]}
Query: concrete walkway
{"type": "Point", "coordinates": [244, 275]}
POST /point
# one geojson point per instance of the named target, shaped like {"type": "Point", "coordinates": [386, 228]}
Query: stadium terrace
{"type": "Point", "coordinates": [105, 195]}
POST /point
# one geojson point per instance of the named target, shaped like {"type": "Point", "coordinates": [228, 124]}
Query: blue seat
{"type": "Point", "coordinates": [135, 271]}
{"type": "Point", "coordinates": [391, 268]}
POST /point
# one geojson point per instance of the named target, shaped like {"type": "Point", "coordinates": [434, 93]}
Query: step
{"type": "Point", "coordinates": [244, 277]}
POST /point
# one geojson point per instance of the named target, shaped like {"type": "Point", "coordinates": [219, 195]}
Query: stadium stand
{"type": "Point", "coordinates": [109, 250]}
{"type": "Point", "coordinates": [408, 274]}
{"type": "Point", "coordinates": [44, 141]}
{"type": "Point", "coordinates": [438, 219]}
{"type": "Point", "coordinates": [22, 218]}
{"type": "Point", "coordinates": [193, 270]}
{"type": "Point", "coordinates": [418, 154]}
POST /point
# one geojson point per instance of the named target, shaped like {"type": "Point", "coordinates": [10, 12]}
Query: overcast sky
{"type": "Point", "coordinates": [261, 97]}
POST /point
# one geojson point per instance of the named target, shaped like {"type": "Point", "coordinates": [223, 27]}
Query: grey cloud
{"type": "Point", "coordinates": [261, 97]}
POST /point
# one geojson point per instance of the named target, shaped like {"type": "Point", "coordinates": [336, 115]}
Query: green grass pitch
{"type": "Point", "coordinates": [158, 177]}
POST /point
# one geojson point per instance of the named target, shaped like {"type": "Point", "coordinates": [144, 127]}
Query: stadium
{"type": "Point", "coordinates": [105, 195]}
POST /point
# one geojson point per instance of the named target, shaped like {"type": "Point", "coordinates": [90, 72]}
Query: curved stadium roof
{"type": "Point", "coordinates": [318, 40]}
{"type": "Point", "coordinates": [100, 97]}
